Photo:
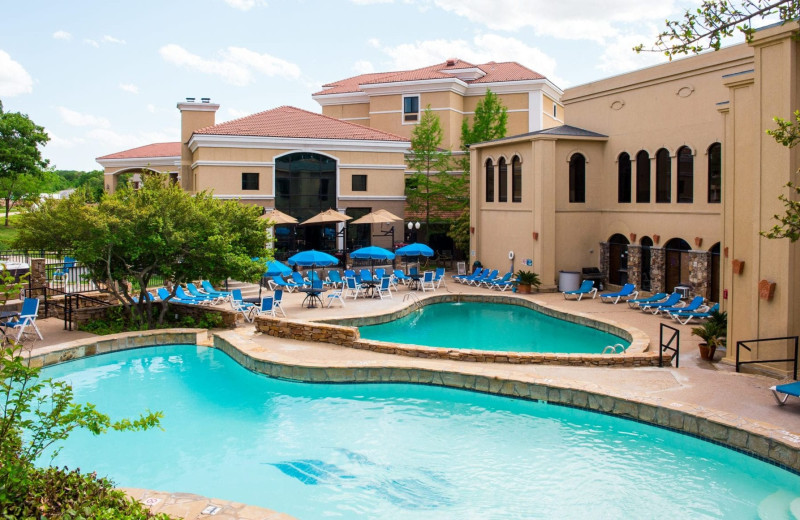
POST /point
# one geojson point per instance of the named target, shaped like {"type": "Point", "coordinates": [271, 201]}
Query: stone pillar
{"type": "Point", "coordinates": [700, 272]}
{"type": "Point", "coordinates": [658, 275]}
{"type": "Point", "coordinates": [604, 261]}
{"type": "Point", "coordinates": [38, 277]}
{"type": "Point", "coordinates": [635, 265]}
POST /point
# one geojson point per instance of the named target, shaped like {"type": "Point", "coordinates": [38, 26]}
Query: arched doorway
{"type": "Point", "coordinates": [676, 263]}
{"type": "Point", "coordinates": [645, 257]}
{"type": "Point", "coordinates": [714, 286]}
{"type": "Point", "coordinates": [618, 259]}
{"type": "Point", "coordinates": [305, 184]}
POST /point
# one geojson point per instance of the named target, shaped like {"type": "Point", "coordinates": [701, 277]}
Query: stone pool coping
{"type": "Point", "coordinates": [344, 332]}
{"type": "Point", "coordinates": [762, 440]}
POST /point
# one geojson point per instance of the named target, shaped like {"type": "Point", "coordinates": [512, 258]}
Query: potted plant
{"type": "Point", "coordinates": [525, 280]}
{"type": "Point", "coordinates": [712, 333]}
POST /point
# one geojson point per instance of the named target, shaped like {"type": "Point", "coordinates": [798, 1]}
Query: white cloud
{"type": "Point", "coordinates": [117, 141]}
{"type": "Point", "coordinates": [93, 43]}
{"type": "Point", "coordinates": [14, 79]}
{"type": "Point", "coordinates": [64, 142]}
{"type": "Point", "coordinates": [482, 49]}
{"type": "Point", "coordinates": [244, 5]}
{"type": "Point", "coordinates": [235, 65]}
{"type": "Point", "coordinates": [235, 113]}
{"type": "Point", "coordinates": [363, 67]}
{"type": "Point", "coordinates": [111, 39]}
{"type": "Point", "coordinates": [151, 108]}
{"type": "Point", "coordinates": [129, 87]}
{"type": "Point", "coordinates": [74, 118]}
{"type": "Point", "coordinates": [62, 35]}
{"type": "Point", "coordinates": [370, 2]}
{"type": "Point", "coordinates": [618, 56]}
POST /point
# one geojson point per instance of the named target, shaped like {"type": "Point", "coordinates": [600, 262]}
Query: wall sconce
{"type": "Point", "coordinates": [656, 238]}
{"type": "Point", "coordinates": [472, 230]}
{"type": "Point", "coordinates": [632, 237]}
{"type": "Point", "coordinates": [108, 187]}
{"type": "Point", "coordinates": [698, 241]}
{"type": "Point", "coordinates": [536, 235]}
{"type": "Point", "coordinates": [766, 290]}
{"type": "Point", "coordinates": [737, 266]}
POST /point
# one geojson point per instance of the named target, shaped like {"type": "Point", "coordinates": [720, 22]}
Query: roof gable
{"type": "Point", "coordinates": [149, 150]}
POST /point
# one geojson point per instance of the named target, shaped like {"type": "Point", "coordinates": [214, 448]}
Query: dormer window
{"type": "Point", "coordinates": [410, 109]}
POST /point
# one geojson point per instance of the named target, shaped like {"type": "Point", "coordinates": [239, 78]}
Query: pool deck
{"type": "Point", "coordinates": [697, 384]}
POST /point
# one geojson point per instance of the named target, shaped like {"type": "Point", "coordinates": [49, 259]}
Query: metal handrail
{"type": "Point", "coordinates": [743, 344]}
{"type": "Point", "coordinates": [676, 337]}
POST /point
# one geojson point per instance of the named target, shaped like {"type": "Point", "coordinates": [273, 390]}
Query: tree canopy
{"type": "Point", "coordinates": [158, 230]}
{"type": "Point", "coordinates": [705, 27]}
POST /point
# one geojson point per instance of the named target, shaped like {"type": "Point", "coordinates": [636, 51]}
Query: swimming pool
{"type": "Point", "coordinates": [397, 451]}
{"type": "Point", "coordinates": [491, 327]}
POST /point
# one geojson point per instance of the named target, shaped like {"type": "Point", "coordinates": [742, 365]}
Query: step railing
{"type": "Point", "coordinates": [747, 344]}
{"type": "Point", "coordinates": [674, 336]}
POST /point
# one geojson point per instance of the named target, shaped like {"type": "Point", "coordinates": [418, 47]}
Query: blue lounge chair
{"type": "Point", "coordinates": [366, 276]}
{"type": "Point", "coordinates": [401, 276]}
{"type": "Point", "coordinates": [209, 289]}
{"type": "Point", "coordinates": [149, 297]}
{"type": "Point", "coordinates": [380, 272]}
{"type": "Point", "coordinates": [693, 305]}
{"type": "Point", "coordinates": [382, 289]}
{"type": "Point", "coordinates": [353, 287]}
{"type": "Point", "coordinates": [487, 277]}
{"type": "Point", "coordinates": [62, 273]}
{"type": "Point", "coordinates": [465, 278]}
{"type": "Point", "coordinates": [789, 389]}
{"type": "Point", "coordinates": [587, 287]}
{"type": "Point", "coordinates": [239, 306]}
{"type": "Point", "coordinates": [427, 281]}
{"type": "Point", "coordinates": [689, 315]}
{"type": "Point", "coordinates": [671, 301]}
{"type": "Point", "coordinates": [267, 307]}
{"type": "Point", "coordinates": [501, 283]}
{"type": "Point", "coordinates": [335, 278]}
{"type": "Point", "coordinates": [165, 295]}
{"type": "Point", "coordinates": [438, 277]}
{"type": "Point", "coordinates": [27, 317]}
{"type": "Point", "coordinates": [628, 291]}
{"type": "Point", "coordinates": [278, 281]}
{"type": "Point", "coordinates": [299, 280]}
{"type": "Point", "coordinates": [197, 293]}
{"type": "Point", "coordinates": [278, 301]}
{"type": "Point", "coordinates": [652, 299]}
{"type": "Point", "coordinates": [181, 295]}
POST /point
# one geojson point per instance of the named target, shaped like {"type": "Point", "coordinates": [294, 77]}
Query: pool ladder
{"type": "Point", "coordinates": [414, 298]}
{"type": "Point", "coordinates": [619, 348]}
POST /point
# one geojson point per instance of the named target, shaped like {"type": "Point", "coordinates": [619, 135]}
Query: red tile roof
{"type": "Point", "coordinates": [494, 72]}
{"type": "Point", "coordinates": [293, 122]}
{"type": "Point", "coordinates": [149, 150]}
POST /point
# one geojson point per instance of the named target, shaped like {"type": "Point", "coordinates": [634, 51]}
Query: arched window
{"type": "Point", "coordinates": [624, 178]}
{"type": "Point", "coordinates": [663, 176]}
{"type": "Point", "coordinates": [715, 173]}
{"type": "Point", "coordinates": [502, 181]}
{"type": "Point", "coordinates": [685, 175]}
{"type": "Point", "coordinates": [489, 181]}
{"type": "Point", "coordinates": [618, 259]}
{"type": "Point", "coordinates": [677, 262]}
{"type": "Point", "coordinates": [516, 179]}
{"type": "Point", "coordinates": [577, 178]}
{"type": "Point", "coordinates": [642, 177]}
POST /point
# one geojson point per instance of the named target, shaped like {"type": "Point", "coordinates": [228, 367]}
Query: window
{"type": "Point", "coordinates": [624, 178]}
{"type": "Point", "coordinates": [359, 183]}
{"type": "Point", "coordinates": [555, 111]}
{"type": "Point", "coordinates": [249, 181]}
{"type": "Point", "coordinates": [663, 176]}
{"type": "Point", "coordinates": [577, 178]}
{"type": "Point", "coordinates": [685, 175]}
{"type": "Point", "coordinates": [173, 178]}
{"type": "Point", "coordinates": [489, 181]}
{"type": "Point", "coordinates": [715, 173]}
{"type": "Point", "coordinates": [642, 177]}
{"type": "Point", "coordinates": [516, 179]}
{"type": "Point", "coordinates": [502, 181]}
{"type": "Point", "coordinates": [411, 108]}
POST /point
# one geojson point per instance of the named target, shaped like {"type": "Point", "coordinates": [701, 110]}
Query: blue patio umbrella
{"type": "Point", "coordinates": [372, 253]}
{"type": "Point", "coordinates": [275, 268]}
{"type": "Point", "coordinates": [416, 249]}
{"type": "Point", "coordinates": [313, 258]}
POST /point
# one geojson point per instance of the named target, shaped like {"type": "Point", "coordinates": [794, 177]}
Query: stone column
{"type": "Point", "coordinates": [604, 261]}
{"type": "Point", "coordinates": [658, 275]}
{"type": "Point", "coordinates": [38, 277]}
{"type": "Point", "coordinates": [700, 272]}
{"type": "Point", "coordinates": [635, 265]}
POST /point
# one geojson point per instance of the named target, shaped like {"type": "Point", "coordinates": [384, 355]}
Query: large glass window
{"type": "Point", "coordinates": [502, 181]}
{"type": "Point", "coordinates": [685, 175]}
{"type": "Point", "coordinates": [577, 178]}
{"type": "Point", "coordinates": [624, 178]}
{"type": "Point", "coordinates": [411, 108]}
{"type": "Point", "coordinates": [663, 176]}
{"type": "Point", "coordinates": [516, 179]}
{"type": "Point", "coordinates": [250, 181]}
{"type": "Point", "coordinates": [305, 184]}
{"type": "Point", "coordinates": [642, 177]}
{"type": "Point", "coordinates": [489, 181]}
{"type": "Point", "coordinates": [715, 173]}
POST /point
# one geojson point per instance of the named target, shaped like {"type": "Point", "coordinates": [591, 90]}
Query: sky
{"type": "Point", "coordinates": [105, 76]}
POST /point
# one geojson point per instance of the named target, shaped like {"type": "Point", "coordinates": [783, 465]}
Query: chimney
{"type": "Point", "coordinates": [193, 117]}
{"type": "Point", "coordinates": [451, 62]}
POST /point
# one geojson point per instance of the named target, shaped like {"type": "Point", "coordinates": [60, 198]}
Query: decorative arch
{"type": "Point", "coordinates": [575, 151]}
{"type": "Point", "coordinates": [577, 178]}
{"type": "Point", "coordinates": [618, 259]}
{"type": "Point", "coordinates": [677, 260]}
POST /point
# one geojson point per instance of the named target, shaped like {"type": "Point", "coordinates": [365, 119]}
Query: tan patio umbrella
{"type": "Point", "coordinates": [278, 217]}
{"type": "Point", "coordinates": [326, 217]}
{"type": "Point", "coordinates": [380, 216]}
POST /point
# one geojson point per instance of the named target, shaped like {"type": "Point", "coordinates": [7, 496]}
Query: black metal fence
{"type": "Point", "coordinates": [25, 255]}
{"type": "Point", "coordinates": [674, 335]}
{"type": "Point", "coordinates": [790, 344]}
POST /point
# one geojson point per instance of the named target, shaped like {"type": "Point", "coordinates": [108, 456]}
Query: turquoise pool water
{"type": "Point", "coordinates": [491, 326]}
{"type": "Point", "coordinates": [398, 451]}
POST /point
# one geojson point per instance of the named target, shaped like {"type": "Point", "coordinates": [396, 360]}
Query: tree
{"type": "Point", "coordinates": [787, 134]}
{"type": "Point", "coordinates": [431, 184]}
{"type": "Point", "coordinates": [705, 27]}
{"type": "Point", "coordinates": [157, 230]}
{"type": "Point", "coordinates": [20, 139]}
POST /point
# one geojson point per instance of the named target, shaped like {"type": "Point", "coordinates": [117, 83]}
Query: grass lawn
{"type": "Point", "coordinates": [8, 234]}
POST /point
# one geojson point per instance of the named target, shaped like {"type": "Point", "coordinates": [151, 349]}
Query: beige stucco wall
{"type": "Point", "coordinates": [356, 112]}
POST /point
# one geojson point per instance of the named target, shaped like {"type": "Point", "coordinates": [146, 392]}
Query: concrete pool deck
{"type": "Point", "coordinates": [703, 388]}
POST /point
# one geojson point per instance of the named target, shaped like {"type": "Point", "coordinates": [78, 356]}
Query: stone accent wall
{"type": "Point", "coordinates": [38, 277]}
{"type": "Point", "coordinates": [658, 259]}
{"type": "Point", "coordinates": [635, 265]}
{"type": "Point", "coordinates": [604, 262]}
{"type": "Point", "coordinates": [700, 273]}
{"type": "Point", "coordinates": [307, 331]}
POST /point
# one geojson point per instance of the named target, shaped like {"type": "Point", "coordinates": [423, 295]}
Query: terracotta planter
{"type": "Point", "coordinates": [524, 288]}
{"type": "Point", "coordinates": [706, 352]}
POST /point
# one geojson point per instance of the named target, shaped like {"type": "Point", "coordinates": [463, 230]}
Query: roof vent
{"type": "Point", "coordinates": [190, 100]}
{"type": "Point", "coordinates": [206, 100]}
{"type": "Point", "coordinates": [451, 62]}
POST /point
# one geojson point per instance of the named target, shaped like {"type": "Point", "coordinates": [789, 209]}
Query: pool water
{"type": "Point", "coordinates": [491, 326]}
{"type": "Point", "coordinates": [397, 451]}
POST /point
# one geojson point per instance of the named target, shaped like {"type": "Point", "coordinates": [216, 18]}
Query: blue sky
{"type": "Point", "coordinates": [105, 76]}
